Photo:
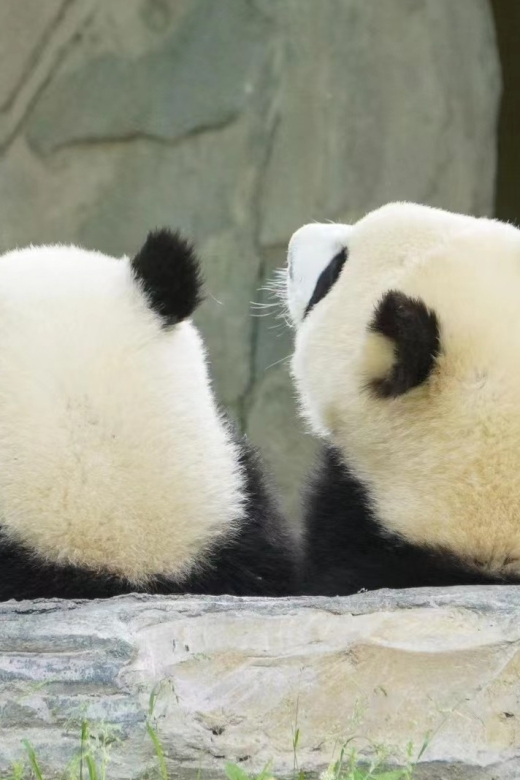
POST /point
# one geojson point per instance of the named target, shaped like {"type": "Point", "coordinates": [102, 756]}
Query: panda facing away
{"type": "Point", "coordinates": [407, 364]}
{"type": "Point", "coordinates": [117, 471]}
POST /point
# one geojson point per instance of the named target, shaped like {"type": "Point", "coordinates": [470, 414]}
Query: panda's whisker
{"type": "Point", "coordinates": [277, 362]}
{"type": "Point", "coordinates": [276, 287]}
{"type": "Point", "coordinates": [265, 309]}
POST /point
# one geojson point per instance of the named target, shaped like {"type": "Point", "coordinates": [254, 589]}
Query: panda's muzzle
{"type": "Point", "coordinates": [327, 279]}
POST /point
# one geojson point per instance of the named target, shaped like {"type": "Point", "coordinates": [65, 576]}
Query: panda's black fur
{"type": "Point", "coordinates": [263, 559]}
{"type": "Point", "coordinates": [347, 550]}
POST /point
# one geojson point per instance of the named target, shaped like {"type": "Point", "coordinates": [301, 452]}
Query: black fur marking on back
{"type": "Point", "coordinates": [262, 559]}
{"type": "Point", "coordinates": [327, 279]}
{"type": "Point", "coordinates": [414, 329]}
{"type": "Point", "coordinates": [347, 550]}
{"type": "Point", "coordinates": [168, 271]}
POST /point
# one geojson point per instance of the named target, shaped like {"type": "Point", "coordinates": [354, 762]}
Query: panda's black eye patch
{"type": "Point", "coordinates": [327, 279]}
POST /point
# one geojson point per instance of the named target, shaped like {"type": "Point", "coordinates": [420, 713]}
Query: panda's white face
{"type": "Point", "coordinates": [407, 358]}
{"type": "Point", "coordinates": [112, 452]}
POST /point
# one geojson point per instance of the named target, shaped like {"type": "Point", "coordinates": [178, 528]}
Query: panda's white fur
{"type": "Point", "coordinates": [108, 426]}
{"type": "Point", "coordinates": [440, 462]}
{"type": "Point", "coordinates": [118, 472]}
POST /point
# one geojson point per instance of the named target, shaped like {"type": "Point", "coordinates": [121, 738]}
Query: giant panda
{"type": "Point", "coordinates": [407, 365]}
{"type": "Point", "coordinates": [118, 472]}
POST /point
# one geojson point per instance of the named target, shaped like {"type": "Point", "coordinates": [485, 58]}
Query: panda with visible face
{"type": "Point", "coordinates": [407, 364]}
{"type": "Point", "coordinates": [117, 471]}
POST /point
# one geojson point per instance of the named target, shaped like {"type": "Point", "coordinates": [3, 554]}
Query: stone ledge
{"type": "Point", "coordinates": [232, 678]}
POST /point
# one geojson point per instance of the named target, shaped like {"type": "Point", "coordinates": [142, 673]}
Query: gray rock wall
{"type": "Point", "coordinates": [233, 679]}
{"type": "Point", "coordinates": [238, 121]}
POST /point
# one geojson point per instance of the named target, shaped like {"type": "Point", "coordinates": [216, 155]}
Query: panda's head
{"type": "Point", "coordinates": [407, 359]}
{"type": "Point", "coordinates": [113, 455]}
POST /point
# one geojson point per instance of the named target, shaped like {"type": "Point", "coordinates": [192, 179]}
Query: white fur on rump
{"type": "Point", "coordinates": [112, 453]}
{"type": "Point", "coordinates": [442, 461]}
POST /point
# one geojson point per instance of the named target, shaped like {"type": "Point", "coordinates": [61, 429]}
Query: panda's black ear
{"type": "Point", "coordinates": [168, 272]}
{"type": "Point", "coordinates": [414, 330]}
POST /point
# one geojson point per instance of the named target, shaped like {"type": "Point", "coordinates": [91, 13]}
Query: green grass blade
{"type": "Point", "coordinates": [159, 752]}
{"type": "Point", "coordinates": [234, 772]}
{"type": "Point", "coordinates": [18, 771]}
{"type": "Point", "coordinates": [266, 773]}
{"type": "Point", "coordinates": [33, 760]}
{"type": "Point", "coordinates": [84, 741]}
{"type": "Point", "coordinates": [92, 768]}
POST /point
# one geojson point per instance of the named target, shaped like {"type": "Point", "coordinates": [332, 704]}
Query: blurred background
{"type": "Point", "coordinates": [240, 120]}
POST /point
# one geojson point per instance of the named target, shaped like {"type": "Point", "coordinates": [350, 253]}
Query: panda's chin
{"type": "Point", "coordinates": [315, 420]}
{"type": "Point", "coordinates": [310, 411]}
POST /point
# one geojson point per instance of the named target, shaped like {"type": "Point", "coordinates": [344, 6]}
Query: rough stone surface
{"type": "Point", "coordinates": [25, 26]}
{"type": "Point", "coordinates": [199, 78]}
{"type": "Point", "coordinates": [231, 679]}
{"type": "Point", "coordinates": [238, 121]}
{"type": "Point", "coordinates": [402, 107]}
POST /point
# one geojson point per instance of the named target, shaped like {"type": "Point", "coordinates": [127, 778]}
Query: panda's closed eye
{"type": "Point", "coordinates": [327, 279]}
